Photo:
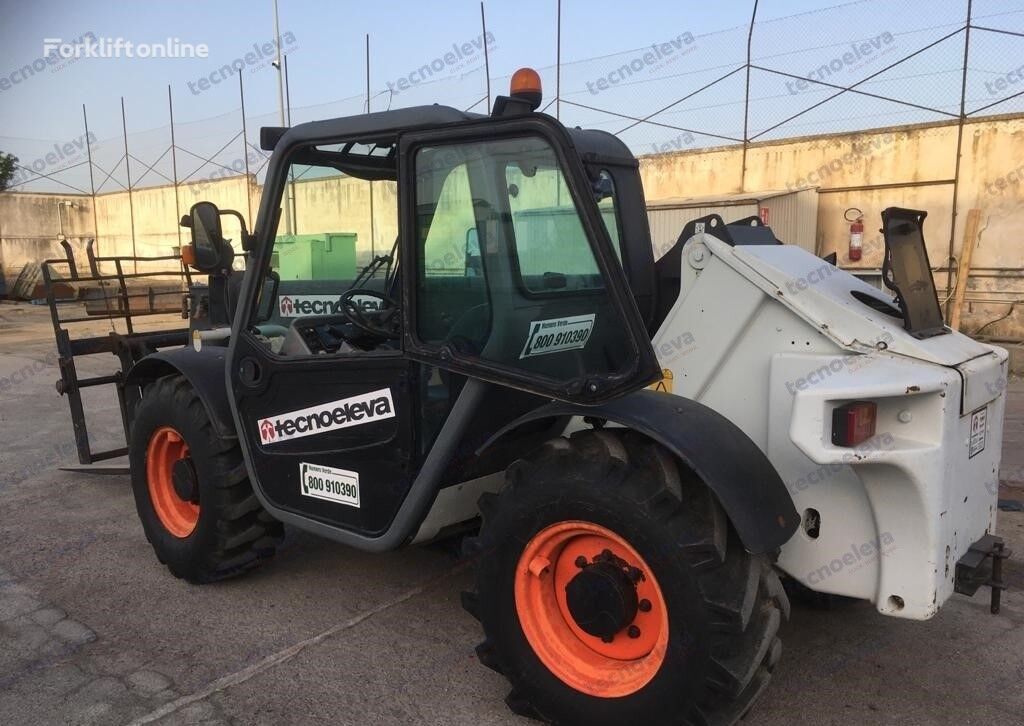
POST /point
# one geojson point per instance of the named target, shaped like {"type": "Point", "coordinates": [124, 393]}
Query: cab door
{"type": "Point", "coordinates": [547, 309]}
{"type": "Point", "coordinates": [327, 420]}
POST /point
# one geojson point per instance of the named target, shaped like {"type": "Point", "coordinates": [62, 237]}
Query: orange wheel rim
{"type": "Point", "coordinates": [583, 661]}
{"type": "Point", "coordinates": [177, 515]}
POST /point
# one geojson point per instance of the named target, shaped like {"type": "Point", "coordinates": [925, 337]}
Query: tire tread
{"type": "Point", "coordinates": [742, 592]}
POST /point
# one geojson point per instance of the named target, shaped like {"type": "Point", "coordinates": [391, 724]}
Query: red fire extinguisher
{"type": "Point", "coordinates": [856, 232]}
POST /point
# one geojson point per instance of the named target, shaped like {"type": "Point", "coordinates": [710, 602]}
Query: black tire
{"type": "Point", "coordinates": [234, 533]}
{"type": "Point", "coordinates": [724, 605]}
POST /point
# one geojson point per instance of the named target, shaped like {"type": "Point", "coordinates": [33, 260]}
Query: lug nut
{"type": "Point", "coordinates": [633, 632]}
{"type": "Point", "coordinates": [635, 574]}
{"type": "Point", "coordinates": [581, 562]}
{"type": "Point", "coordinates": [644, 606]}
{"type": "Point", "coordinates": [607, 638]}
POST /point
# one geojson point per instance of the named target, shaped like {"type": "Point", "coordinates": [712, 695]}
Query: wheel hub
{"type": "Point", "coordinates": [186, 483]}
{"type": "Point", "coordinates": [172, 482]}
{"type": "Point", "coordinates": [591, 608]}
{"type": "Point", "coordinates": [602, 598]}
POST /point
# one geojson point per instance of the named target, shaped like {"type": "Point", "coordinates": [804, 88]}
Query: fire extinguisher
{"type": "Point", "coordinates": [856, 232]}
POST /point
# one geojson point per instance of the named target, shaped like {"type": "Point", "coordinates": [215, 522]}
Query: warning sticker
{"type": "Point", "coordinates": [979, 421]}
{"type": "Point", "coordinates": [558, 335]}
{"type": "Point", "coordinates": [334, 485]}
{"type": "Point", "coordinates": [665, 384]}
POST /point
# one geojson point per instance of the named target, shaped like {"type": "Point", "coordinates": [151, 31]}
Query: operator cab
{"type": "Point", "coordinates": [512, 271]}
{"type": "Point", "coordinates": [332, 281]}
{"type": "Point", "coordinates": [522, 263]}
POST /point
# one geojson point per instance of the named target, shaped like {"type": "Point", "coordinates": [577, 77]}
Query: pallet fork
{"type": "Point", "coordinates": [115, 300]}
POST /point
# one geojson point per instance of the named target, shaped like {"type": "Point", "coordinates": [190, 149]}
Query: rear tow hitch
{"type": "Point", "coordinates": [974, 570]}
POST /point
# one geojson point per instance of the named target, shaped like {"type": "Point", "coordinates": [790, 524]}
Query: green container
{"type": "Point", "coordinates": [327, 256]}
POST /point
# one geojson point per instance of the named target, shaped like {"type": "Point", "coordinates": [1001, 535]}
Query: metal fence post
{"type": "Point", "coordinates": [487, 55]}
{"type": "Point", "coordinates": [128, 174]}
{"type": "Point", "coordinates": [174, 166]}
{"type": "Point", "coordinates": [245, 155]}
{"type": "Point", "coordinates": [558, 61]}
{"type": "Point", "coordinates": [92, 183]}
{"type": "Point", "coordinates": [746, 101]}
{"type": "Point", "coordinates": [959, 154]}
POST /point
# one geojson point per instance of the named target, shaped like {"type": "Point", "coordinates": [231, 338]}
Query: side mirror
{"type": "Point", "coordinates": [209, 251]}
{"type": "Point", "coordinates": [207, 236]}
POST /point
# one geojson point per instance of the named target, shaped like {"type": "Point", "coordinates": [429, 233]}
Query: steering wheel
{"type": "Point", "coordinates": [383, 323]}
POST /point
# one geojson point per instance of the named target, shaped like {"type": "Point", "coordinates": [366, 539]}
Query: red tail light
{"type": "Point", "coordinates": [853, 423]}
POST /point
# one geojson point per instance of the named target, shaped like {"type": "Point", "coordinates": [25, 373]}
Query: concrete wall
{"type": "Point", "coordinates": [922, 161]}
{"type": "Point", "coordinates": [919, 160]}
{"type": "Point", "coordinates": [156, 214]}
{"type": "Point", "coordinates": [29, 223]}
{"type": "Point", "coordinates": [342, 204]}
{"type": "Point", "coordinates": [29, 228]}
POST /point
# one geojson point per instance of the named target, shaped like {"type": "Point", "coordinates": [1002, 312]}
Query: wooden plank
{"type": "Point", "coordinates": [964, 267]}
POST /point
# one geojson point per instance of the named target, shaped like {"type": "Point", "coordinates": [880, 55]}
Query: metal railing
{"type": "Point", "coordinates": [122, 304]}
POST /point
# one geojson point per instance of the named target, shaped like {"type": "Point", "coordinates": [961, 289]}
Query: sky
{"type": "Point", "coordinates": [325, 45]}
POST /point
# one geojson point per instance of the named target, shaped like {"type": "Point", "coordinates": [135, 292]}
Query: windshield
{"type": "Point", "coordinates": [334, 231]}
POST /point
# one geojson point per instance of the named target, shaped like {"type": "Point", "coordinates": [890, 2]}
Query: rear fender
{"type": "Point", "coordinates": [742, 478]}
{"type": "Point", "coordinates": [204, 370]}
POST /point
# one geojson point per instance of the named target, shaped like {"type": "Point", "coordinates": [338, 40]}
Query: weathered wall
{"type": "Point", "coordinates": [921, 160]}
{"type": "Point", "coordinates": [156, 214]}
{"type": "Point", "coordinates": [924, 159]}
{"type": "Point", "coordinates": [29, 228]}
{"type": "Point", "coordinates": [29, 223]}
{"type": "Point", "coordinates": [342, 204]}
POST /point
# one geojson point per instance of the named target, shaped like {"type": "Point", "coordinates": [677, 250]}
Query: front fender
{"type": "Point", "coordinates": [743, 479]}
{"type": "Point", "coordinates": [204, 370]}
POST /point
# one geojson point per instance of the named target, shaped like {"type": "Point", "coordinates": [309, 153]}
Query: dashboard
{"type": "Point", "coordinates": [329, 335]}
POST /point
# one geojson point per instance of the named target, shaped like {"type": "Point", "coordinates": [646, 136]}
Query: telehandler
{"type": "Point", "coordinates": [640, 450]}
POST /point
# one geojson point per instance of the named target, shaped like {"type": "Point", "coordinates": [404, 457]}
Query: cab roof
{"type": "Point", "coordinates": [369, 139]}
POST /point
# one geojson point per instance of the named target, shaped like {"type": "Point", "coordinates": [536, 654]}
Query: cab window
{"type": "Point", "coordinates": [507, 271]}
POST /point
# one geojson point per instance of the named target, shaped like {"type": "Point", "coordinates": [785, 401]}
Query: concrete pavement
{"type": "Point", "coordinates": [94, 631]}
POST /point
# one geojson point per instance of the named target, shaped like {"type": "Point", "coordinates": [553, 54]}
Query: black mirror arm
{"type": "Point", "coordinates": [246, 238]}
